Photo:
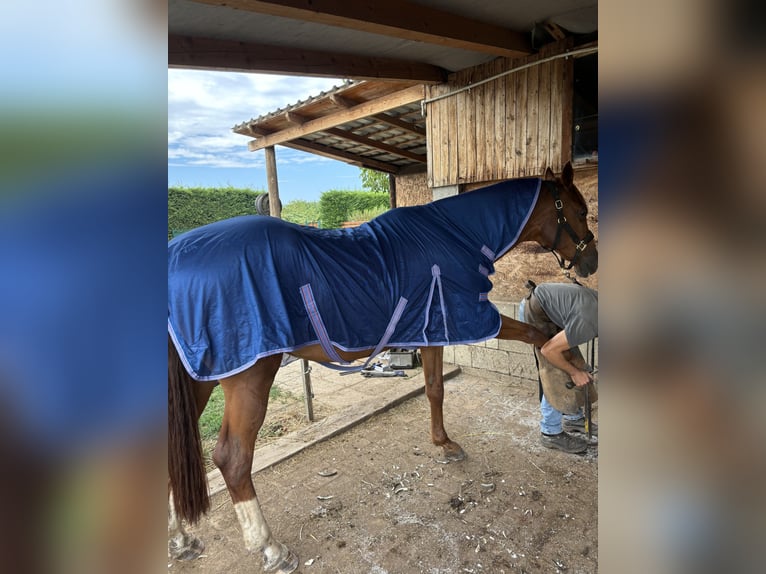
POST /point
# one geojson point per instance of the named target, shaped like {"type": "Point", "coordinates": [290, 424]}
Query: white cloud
{"type": "Point", "coordinates": [204, 106]}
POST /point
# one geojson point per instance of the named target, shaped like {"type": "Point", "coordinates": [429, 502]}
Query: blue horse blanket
{"type": "Point", "coordinates": [252, 286]}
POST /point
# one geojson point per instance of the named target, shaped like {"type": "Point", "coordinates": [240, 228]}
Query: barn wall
{"type": "Point", "coordinates": [412, 189]}
{"type": "Point", "coordinates": [514, 126]}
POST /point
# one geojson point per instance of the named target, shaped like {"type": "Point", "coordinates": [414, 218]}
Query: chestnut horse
{"type": "Point", "coordinates": [555, 218]}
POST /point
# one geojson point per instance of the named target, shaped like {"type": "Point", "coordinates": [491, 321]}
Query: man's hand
{"type": "Point", "coordinates": [556, 350]}
{"type": "Point", "coordinates": [581, 378]}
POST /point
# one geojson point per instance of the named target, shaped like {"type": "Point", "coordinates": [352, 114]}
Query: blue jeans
{"type": "Point", "coordinates": [550, 423]}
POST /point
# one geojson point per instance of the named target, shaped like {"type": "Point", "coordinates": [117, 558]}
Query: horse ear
{"type": "Point", "coordinates": [549, 175]}
{"type": "Point", "coordinates": [567, 176]}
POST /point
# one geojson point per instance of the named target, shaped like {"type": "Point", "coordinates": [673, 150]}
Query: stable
{"type": "Point", "coordinates": [444, 97]}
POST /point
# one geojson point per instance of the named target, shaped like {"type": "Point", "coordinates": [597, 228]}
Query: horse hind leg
{"type": "Point", "coordinates": [246, 396]}
{"type": "Point", "coordinates": [181, 544]}
{"type": "Point", "coordinates": [433, 371]}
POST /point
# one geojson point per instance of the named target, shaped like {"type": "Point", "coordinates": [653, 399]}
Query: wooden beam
{"type": "Point", "coordinates": [349, 135]}
{"type": "Point", "coordinates": [326, 151]}
{"type": "Point", "coordinates": [332, 153]}
{"type": "Point", "coordinates": [381, 104]}
{"type": "Point", "coordinates": [342, 102]}
{"type": "Point", "coordinates": [383, 118]}
{"type": "Point", "coordinates": [554, 30]}
{"type": "Point", "coordinates": [395, 18]}
{"type": "Point", "coordinates": [194, 52]}
{"type": "Point", "coordinates": [401, 124]}
{"type": "Point", "coordinates": [412, 168]}
{"type": "Point", "coordinates": [295, 119]}
{"type": "Point", "coordinates": [340, 155]}
{"type": "Point", "coordinates": [275, 210]}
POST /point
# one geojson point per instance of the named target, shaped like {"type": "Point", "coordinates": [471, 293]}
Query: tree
{"type": "Point", "coordinates": [375, 181]}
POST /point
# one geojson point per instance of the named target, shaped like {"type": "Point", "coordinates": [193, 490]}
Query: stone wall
{"type": "Point", "coordinates": [512, 359]}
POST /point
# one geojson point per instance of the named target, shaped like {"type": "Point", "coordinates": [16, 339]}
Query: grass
{"type": "Point", "coordinates": [365, 214]}
{"type": "Point", "coordinates": [210, 421]}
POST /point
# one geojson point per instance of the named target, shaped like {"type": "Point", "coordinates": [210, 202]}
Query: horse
{"type": "Point", "coordinates": [244, 291]}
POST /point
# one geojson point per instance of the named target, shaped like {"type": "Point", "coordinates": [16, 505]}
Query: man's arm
{"type": "Point", "coordinates": [556, 350]}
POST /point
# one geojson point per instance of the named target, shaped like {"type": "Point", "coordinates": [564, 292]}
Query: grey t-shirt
{"type": "Point", "coordinates": [573, 308]}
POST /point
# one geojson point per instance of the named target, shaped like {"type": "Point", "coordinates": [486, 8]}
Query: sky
{"type": "Point", "coordinates": [203, 106]}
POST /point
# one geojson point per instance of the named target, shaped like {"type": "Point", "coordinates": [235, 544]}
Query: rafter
{"type": "Point", "coordinates": [349, 135]}
{"type": "Point", "coordinates": [195, 52]}
{"type": "Point", "coordinates": [325, 151]}
{"type": "Point", "coordinates": [344, 156]}
{"type": "Point", "coordinates": [295, 119]}
{"type": "Point", "coordinates": [372, 107]}
{"type": "Point", "coordinates": [401, 124]}
{"type": "Point", "coordinates": [345, 102]}
{"type": "Point", "coordinates": [342, 101]}
{"type": "Point", "coordinates": [395, 18]}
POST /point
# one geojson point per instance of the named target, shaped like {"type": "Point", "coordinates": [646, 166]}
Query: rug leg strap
{"type": "Point", "coordinates": [324, 338]}
{"type": "Point", "coordinates": [316, 321]}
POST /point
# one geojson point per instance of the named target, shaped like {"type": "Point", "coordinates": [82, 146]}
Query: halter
{"type": "Point", "coordinates": [581, 244]}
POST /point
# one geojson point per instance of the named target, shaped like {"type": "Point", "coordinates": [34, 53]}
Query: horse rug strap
{"type": "Point", "coordinates": [324, 339]}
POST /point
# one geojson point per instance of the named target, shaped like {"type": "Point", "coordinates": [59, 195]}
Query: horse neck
{"type": "Point", "coordinates": [491, 216]}
{"type": "Point", "coordinates": [542, 213]}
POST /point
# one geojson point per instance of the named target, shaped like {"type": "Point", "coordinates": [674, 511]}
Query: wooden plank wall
{"type": "Point", "coordinates": [514, 126]}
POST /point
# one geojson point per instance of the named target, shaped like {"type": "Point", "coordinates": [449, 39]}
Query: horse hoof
{"type": "Point", "coordinates": [454, 453]}
{"type": "Point", "coordinates": [288, 564]}
{"type": "Point", "coordinates": [189, 552]}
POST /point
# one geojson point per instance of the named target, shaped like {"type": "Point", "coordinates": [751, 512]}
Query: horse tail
{"type": "Point", "coordinates": [186, 466]}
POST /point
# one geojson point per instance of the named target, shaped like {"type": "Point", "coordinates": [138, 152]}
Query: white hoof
{"type": "Point", "coordinates": [192, 547]}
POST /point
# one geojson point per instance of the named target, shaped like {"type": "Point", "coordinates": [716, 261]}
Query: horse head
{"type": "Point", "coordinates": [563, 229]}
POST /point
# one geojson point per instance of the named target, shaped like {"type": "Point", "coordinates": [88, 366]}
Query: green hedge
{"type": "Point", "coordinates": [301, 211]}
{"type": "Point", "coordinates": [191, 207]}
{"type": "Point", "coordinates": [335, 206]}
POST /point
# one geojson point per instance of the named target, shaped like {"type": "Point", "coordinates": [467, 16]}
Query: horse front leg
{"type": "Point", "coordinates": [433, 371]}
{"type": "Point", "coordinates": [514, 330]}
{"type": "Point", "coordinates": [246, 396]}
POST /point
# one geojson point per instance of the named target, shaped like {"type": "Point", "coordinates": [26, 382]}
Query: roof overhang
{"type": "Point", "coordinates": [391, 49]}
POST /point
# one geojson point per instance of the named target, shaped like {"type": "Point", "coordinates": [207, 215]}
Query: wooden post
{"type": "Point", "coordinates": [276, 211]}
{"type": "Point", "coordinates": [308, 394]}
{"type": "Point", "coordinates": [271, 174]}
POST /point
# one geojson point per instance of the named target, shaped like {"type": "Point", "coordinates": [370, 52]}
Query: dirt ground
{"type": "Point", "coordinates": [393, 506]}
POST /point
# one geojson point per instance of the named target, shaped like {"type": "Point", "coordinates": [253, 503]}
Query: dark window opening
{"type": "Point", "coordinates": [585, 109]}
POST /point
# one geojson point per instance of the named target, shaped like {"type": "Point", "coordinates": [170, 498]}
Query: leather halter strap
{"type": "Point", "coordinates": [563, 224]}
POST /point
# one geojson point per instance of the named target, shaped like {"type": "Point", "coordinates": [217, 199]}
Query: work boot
{"type": "Point", "coordinates": [579, 426]}
{"type": "Point", "coordinates": [565, 442]}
